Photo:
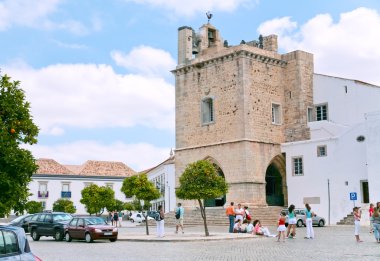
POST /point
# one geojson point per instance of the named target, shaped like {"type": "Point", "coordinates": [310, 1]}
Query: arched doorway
{"type": "Point", "coordinates": [275, 179]}
{"type": "Point", "coordinates": [216, 202]}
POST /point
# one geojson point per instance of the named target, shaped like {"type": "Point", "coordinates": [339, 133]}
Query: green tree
{"type": "Point", "coordinates": [201, 181]}
{"type": "Point", "coordinates": [96, 198]}
{"type": "Point", "coordinates": [33, 207]}
{"type": "Point", "coordinates": [142, 189]}
{"type": "Point", "coordinates": [64, 205]}
{"type": "Point", "coordinates": [117, 205]}
{"type": "Point", "coordinates": [17, 165]}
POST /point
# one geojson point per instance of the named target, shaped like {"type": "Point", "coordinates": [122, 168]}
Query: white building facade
{"type": "Point", "coordinates": [342, 156]}
{"type": "Point", "coordinates": [163, 177]}
{"type": "Point", "coordinates": [54, 181]}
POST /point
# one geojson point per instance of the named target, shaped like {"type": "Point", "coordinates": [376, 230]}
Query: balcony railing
{"type": "Point", "coordinates": [65, 194]}
{"type": "Point", "coordinates": [43, 194]}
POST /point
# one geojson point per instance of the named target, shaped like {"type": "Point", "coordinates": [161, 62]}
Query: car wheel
{"type": "Point", "coordinates": [299, 223]}
{"type": "Point", "coordinates": [321, 223]}
{"type": "Point", "coordinates": [35, 235]}
{"type": "Point", "coordinates": [132, 220]}
{"type": "Point", "coordinates": [58, 236]}
{"type": "Point", "coordinates": [113, 239]}
{"type": "Point", "coordinates": [68, 237]}
{"type": "Point", "coordinates": [88, 238]}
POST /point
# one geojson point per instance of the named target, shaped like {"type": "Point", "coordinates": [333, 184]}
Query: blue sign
{"type": "Point", "coordinates": [353, 196]}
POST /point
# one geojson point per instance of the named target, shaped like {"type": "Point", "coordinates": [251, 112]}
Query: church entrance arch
{"type": "Point", "coordinates": [216, 202]}
{"type": "Point", "coordinates": [275, 178]}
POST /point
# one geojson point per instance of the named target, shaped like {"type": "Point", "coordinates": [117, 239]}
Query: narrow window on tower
{"type": "Point", "coordinates": [207, 109]}
{"type": "Point", "coordinates": [276, 113]}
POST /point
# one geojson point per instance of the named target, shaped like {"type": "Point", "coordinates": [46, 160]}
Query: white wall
{"type": "Point", "coordinates": [345, 108]}
{"type": "Point", "coordinates": [169, 172]}
{"type": "Point", "coordinates": [345, 162]}
{"type": "Point", "coordinates": [76, 186]}
{"type": "Point", "coordinates": [373, 155]}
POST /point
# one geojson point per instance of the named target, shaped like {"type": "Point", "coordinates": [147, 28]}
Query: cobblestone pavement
{"type": "Point", "coordinates": [331, 243]}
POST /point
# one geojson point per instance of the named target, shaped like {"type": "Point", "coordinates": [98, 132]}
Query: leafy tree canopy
{"type": "Point", "coordinates": [33, 207]}
{"type": "Point", "coordinates": [17, 165]}
{"type": "Point", "coordinates": [64, 205]}
{"type": "Point", "coordinates": [141, 188]}
{"type": "Point", "coordinates": [200, 181]}
{"type": "Point", "coordinates": [96, 198]}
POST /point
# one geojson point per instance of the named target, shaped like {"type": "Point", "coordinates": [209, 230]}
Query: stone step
{"type": "Point", "coordinates": [216, 216]}
{"type": "Point", "coordinates": [347, 220]}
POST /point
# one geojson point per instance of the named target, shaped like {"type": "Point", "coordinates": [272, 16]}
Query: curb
{"type": "Point", "coordinates": [189, 239]}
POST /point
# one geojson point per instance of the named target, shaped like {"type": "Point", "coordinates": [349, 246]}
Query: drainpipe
{"type": "Point", "coordinates": [328, 191]}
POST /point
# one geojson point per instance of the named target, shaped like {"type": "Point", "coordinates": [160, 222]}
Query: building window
{"type": "Point", "coordinates": [43, 190]}
{"type": "Point", "coordinates": [65, 193]}
{"type": "Point", "coordinates": [310, 115]}
{"type": "Point", "coordinates": [297, 166]}
{"type": "Point", "coordinates": [322, 151]}
{"type": "Point", "coordinates": [276, 113]}
{"type": "Point", "coordinates": [207, 110]}
{"type": "Point", "coordinates": [321, 112]}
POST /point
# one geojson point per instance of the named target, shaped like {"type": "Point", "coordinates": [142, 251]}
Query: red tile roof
{"type": "Point", "coordinates": [89, 168]}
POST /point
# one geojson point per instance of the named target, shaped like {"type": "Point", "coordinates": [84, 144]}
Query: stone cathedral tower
{"type": "Point", "coordinates": [235, 105]}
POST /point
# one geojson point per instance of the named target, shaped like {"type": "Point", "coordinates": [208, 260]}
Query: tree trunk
{"type": "Point", "coordinates": [146, 224]}
{"type": "Point", "coordinates": [203, 213]}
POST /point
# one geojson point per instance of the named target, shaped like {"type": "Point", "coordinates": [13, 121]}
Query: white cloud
{"type": "Point", "coordinates": [36, 14]}
{"type": "Point", "coordinates": [146, 60]}
{"type": "Point", "coordinates": [139, 156]}
{"type": "Point", "coordinates": [189, 8]}
{"type": "Point", "coordinates": [91, 96]}
{"type": "Point", "coordinates": [346, 48]}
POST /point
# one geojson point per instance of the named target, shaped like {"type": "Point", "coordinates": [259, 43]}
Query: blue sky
{"type": "Point", "coordinates": [97, 73]}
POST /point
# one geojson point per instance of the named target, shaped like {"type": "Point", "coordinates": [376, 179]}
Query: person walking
{"type": "Point", "coordinates": [115, 217]}
{"type": "Point", "coordinates": [230, 212]}
{"type": "Point", "coordinates": [179, 212]}
{"type": "Point", "coordinates": [376, 222]}
{"type": "Point", "coordinates": [160, 223]}
{"type": "Point", "coordinates": [291, 222]}
{"type": "Point", "coordinates": [309, 222]}
{"type": "Point", "coordinates": [357, 217]}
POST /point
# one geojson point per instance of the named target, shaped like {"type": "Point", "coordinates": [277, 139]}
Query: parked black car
{"type": "Point", "coordinates": [21, 221]}
{"type": "Point", "coordinates": [49, 224]}
{"type": "Point", "coordinates": [14, 245]}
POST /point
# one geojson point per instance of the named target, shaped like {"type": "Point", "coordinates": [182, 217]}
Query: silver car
{"type": "Point", "coordinates": [14, 245]}
{"type": "Point", "coordinates": [301, 218]}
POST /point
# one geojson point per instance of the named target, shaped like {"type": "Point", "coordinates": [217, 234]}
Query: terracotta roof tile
{"type": "Point", "coordinates": [50, 166]}
{"type": "Point", "coordinates": [106, 168]}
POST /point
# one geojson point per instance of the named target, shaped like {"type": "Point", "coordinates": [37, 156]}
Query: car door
{"type": "Point", "coordinates": [40, 224]}
{"type": "Point", "coordinates": [81, 230]}
{"type": "Point", "coordinates": [72, 228]}
{"type": "Point", "coordinates": [9, 249]}
{"type": "Point", "coordinates": [49, 225]}
{"type": "Point", "coordinates": [25, 222]}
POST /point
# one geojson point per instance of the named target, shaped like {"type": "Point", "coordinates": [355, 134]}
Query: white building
{"type": "Point", "coordinates": [342, 155]}
{"type": "Point", "coordinates": [54, 181]}
{"type": "Point", "coordinates": [163, 176]}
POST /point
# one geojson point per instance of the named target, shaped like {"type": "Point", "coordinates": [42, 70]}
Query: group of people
{"type": "Point", "coordinates": [292, 221]}
{"type": "Point", "coordinates": [160, 217]}
{"type": "Point", "coordinates": [115, 218]}
{"type": "Point", "coordinates": [240, 221]}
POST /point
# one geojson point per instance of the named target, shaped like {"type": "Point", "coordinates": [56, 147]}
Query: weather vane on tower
{"type": "Point", "coordinates": [209, 16]}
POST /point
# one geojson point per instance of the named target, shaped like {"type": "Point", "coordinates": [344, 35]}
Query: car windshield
{"type": "Point", "coordinates": [61, 217]}
{"type": "Point", "coordinates": [18, 219]}
{"type": "Point", "coordinates": [95, 221]}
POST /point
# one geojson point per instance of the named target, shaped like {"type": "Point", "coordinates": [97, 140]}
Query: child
{"type": "Point", "coordinates": [357, 216]}
{"type": "Point", "coordinates": [237, 226]}
{"type": "Point", "coordinates": [371, 210]}
{"type": "Point", "coordinates": [281, 227]}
